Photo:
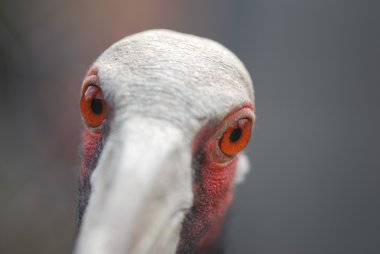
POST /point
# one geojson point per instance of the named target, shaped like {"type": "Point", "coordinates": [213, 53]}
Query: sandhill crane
{"type": "Point", "coordinates": [166, 117]}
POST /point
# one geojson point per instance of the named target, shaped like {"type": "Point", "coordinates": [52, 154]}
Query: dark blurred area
{"type": "Point", "coordinates": [315, 167]}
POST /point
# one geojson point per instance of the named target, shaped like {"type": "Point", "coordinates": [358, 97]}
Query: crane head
{"type": "Point", "coordinates": [166, 118]}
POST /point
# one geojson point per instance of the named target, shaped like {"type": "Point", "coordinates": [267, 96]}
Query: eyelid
{"type": "Point", "coordinates": [231, 119]}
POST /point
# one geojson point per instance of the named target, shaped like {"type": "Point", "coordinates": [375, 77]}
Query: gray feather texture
{"type": "Point", "coordinates": [178, 77]}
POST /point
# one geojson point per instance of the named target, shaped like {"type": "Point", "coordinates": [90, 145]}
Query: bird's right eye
{"type": "Point", "coordinates": [93, 106]}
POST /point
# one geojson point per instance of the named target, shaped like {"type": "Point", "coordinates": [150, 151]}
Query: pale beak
{"type": "Point", "coordinates": [141, 190]}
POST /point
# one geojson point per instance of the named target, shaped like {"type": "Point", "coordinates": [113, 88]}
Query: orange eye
{"type": "Point", "coordinates": [93, 106]}
{"type": "Point", "coordinates": [236, 137]}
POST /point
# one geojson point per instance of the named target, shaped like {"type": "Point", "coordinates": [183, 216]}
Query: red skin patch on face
{"type": "Point", "coordinates": [91, 150]}
{"type": "Point", "coordinates": [213, 192]}
{"type": "Point", "coordinates": [213, 197]}
{"type": "Point", "coordinates": [92, 140]}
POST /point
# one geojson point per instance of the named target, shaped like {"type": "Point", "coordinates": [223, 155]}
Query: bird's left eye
{"type": "Point", "coordinates": [236, 137]}
{"type": "Point", "coordinates": [93, 106]}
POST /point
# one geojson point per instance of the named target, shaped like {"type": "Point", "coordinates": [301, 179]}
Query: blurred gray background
{"type": "Point", "coordinates": [314, 181]}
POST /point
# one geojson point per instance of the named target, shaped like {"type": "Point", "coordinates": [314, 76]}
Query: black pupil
{"type": "Point", "coordinates": [235, 135]}
{"type": "Point", "coordinates": [96, 106]}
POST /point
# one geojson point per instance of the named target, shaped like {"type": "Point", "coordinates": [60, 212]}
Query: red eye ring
{"type": "Point", "coordinates": [93, 106]}
{"type": "Point", "coordinates": [236, 137]}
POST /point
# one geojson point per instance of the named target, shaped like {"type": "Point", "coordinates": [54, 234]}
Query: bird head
{"type": "Point", "coordinates": [166, 118]}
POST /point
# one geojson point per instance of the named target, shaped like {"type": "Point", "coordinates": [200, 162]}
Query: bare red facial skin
{"type": "Point", "coordinates": [92, 145]}
{"type": "Point", "coordinates": [213, 184]}
{"type": "Point", "coordinates": [91, 139]}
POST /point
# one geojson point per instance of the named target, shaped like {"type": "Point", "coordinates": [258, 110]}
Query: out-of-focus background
{"type": "Point", "coordinates": [314, 185]}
